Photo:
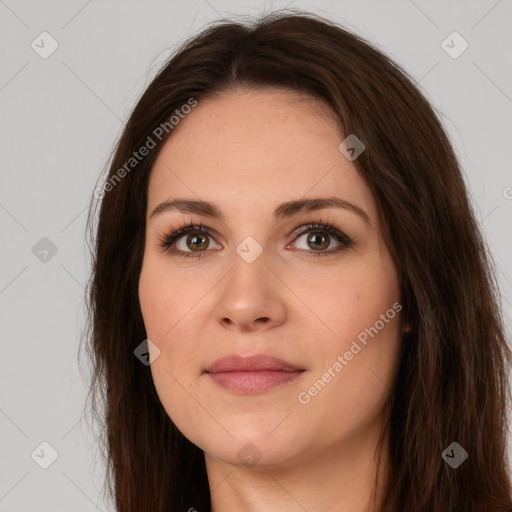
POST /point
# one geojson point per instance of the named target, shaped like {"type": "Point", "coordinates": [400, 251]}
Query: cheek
{"type": "Point", "coordinates": [354, 299]}
{"type": "Point", "coordinates": [165, 299]}
{"type": "Point", "coordinates": [167, 310]}
{"type": "Point", "coordinates": [162, 312]}
{"type": "Point", "coordinates": [151, 295]}
{"type": "Point", "coordinates": [172, 313]}
{"type": "Point", "coordinates": [362, 311]}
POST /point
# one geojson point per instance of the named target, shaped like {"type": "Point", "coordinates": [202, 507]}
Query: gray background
{"type": "Point", "coordinates": [60, 117]}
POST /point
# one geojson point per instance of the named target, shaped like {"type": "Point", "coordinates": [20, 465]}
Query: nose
{"type": "Point", "coordinates": [252, 298]}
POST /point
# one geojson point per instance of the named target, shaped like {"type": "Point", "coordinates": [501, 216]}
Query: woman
{"type": "Point", "coordinates": [291, 304]}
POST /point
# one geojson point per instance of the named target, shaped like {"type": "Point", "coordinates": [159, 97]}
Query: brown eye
{"type": "Point", "coordinates": [188, 241]}
{"type": "Point", "coordinates": [317, 240]}
{"type": "Point", "coordinates": [194, 242]}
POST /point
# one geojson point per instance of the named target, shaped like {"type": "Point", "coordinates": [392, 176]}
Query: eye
{"type": "Point", "coordinates": [190, 240]}
{"type": "Point", "coordinates": [193, 244]}
{"type": "Point", "coordinates": [320, 237]}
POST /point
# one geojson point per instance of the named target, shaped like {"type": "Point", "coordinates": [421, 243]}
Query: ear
{"type": "Point", "coordinates": [406, 328]}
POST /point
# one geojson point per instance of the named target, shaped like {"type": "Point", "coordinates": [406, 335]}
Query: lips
{"type": "Point", "coordinates": [259, 362]}
{"type": "Point", "coordinates": [253, 374]}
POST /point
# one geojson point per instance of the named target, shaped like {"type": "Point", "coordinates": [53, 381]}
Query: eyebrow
{"type": "Point", "coordinates": [283, 211]}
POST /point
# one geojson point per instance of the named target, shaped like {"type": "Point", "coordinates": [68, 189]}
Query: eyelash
{"type": "Point", "coordinates": [167, 239]}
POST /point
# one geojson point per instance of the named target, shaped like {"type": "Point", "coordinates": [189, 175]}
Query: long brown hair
{"type": "Point", "coordinates": [452, 381]}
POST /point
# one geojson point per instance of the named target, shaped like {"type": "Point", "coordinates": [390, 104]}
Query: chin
{"type": "Point", "coordinates": [253, 448]}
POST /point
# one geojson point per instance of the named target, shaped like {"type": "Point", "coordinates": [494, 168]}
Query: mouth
{"type": "Point", "coordinates": [253, 374]}
{"type": "Point", "coordinates": [253, 382]}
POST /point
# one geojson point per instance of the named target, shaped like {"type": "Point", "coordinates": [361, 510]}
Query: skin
{"type": "Point", "coordinates": [248, 151]}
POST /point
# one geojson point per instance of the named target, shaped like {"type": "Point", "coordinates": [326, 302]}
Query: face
{"type": "Point", "coordinates": [262, 273]}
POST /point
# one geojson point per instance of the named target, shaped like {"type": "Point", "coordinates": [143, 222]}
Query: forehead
{"type": "Point", "coordinates": [251, 149]}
